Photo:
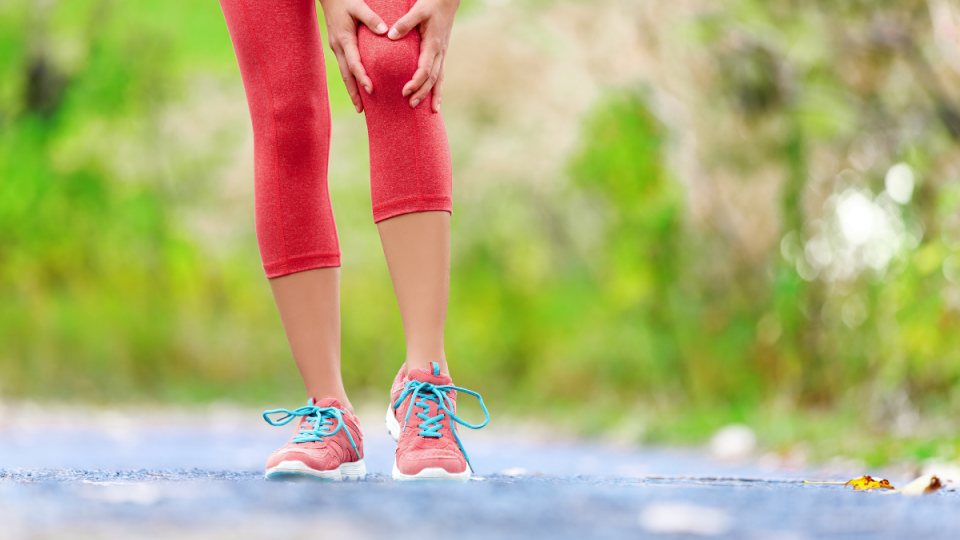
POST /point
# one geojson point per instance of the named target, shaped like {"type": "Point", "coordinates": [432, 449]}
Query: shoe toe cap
{"type": "Point", "coordinates": [316, 460]}
{"type": "Point", "coordinates": [415, 462]}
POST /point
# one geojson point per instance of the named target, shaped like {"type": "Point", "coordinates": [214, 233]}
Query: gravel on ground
{"type": "Point", "coordinates": [157, 475]}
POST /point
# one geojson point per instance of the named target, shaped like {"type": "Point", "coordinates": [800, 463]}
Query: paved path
{"type": "Point", "coordinates": [103, 474]}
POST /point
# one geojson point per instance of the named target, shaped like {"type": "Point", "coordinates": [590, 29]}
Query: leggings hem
{"type": "Point", "coordinates": [410, 206]}
{"type": "Point", "coordinates": [301, 263]}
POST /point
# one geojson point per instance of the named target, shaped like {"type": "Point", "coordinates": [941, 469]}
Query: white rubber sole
{"type": "Point", "coordinates": [288, 470]}
{"type": "Point", "coordinates": [432, 474]}
{"type": "Point", "coordinates": [393, 427]}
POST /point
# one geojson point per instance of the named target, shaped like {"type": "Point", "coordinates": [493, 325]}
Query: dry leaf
{"type": "Point", "coordinates": [866, 483]}
{"type": "Point", "coordinates": [927, 483]}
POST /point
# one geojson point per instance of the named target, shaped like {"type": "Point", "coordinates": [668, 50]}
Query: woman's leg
{"type": "Point", "coordinates": [278, 48]}
{"type": "Point", "coordinates": [410, 180]}
{"type": "Point", "coordinates": [309, 305]}
{"type": "Point", "coordinates": [410, 175]}
{"type": "Point", "coordinates": [417, 247]}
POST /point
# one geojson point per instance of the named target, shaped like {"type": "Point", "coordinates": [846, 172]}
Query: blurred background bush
{"type": "Point", "coordinates": [668, 216]}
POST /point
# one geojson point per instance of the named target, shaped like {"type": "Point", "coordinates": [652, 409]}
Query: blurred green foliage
{"type": "Point", "coordinates": [103, 295]}
{"type": "Point", "coordinates": [605, 293]}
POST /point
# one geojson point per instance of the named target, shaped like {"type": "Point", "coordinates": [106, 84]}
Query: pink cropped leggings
{"type": "Point", "coordinates": [278, 47]}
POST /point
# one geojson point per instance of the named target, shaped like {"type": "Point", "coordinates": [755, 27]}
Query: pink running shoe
{"type": "Point", "coordinates": [328, 444]}
{"type": "Point", "coordinates": [428, 449]}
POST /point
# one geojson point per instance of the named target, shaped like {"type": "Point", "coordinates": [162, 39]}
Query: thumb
{"type": "Point", "coordinates": [406, 23]}
{"type": "Point", "coordinates": [367, 16]}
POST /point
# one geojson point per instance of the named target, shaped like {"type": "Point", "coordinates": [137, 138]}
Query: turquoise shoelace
{"type": "Point", "coordinates": [318, 418]}
{"type": "Point", "coordinates": [424, 393]}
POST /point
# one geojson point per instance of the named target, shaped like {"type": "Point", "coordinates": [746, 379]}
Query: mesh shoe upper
{"type": "Point", "coordinates": [330, 451]}
{"type": "Point", "coordinates": [428, 437]}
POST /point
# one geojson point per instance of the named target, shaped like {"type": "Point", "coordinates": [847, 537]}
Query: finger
{"type": "Point", "coordinates": [407, 23]}
{"type": "Point", "coordinates": [348, 79]}
{"type": "Point", "coordinates": [427, 86]}
{"type": "Point", "coordinates": [351, 54]}
{"type": "Point", "coordinates": [438, 88]}
{"type": "Point", "coordinates": [433, 75]}
{"type": "Point", "coordinates": [425, 66]}
{"type": "Point", "coordinates": [364, 14]}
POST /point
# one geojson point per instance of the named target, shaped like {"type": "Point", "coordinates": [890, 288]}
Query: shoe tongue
{"type": "Point", "coordinates": [328, 402]}
{"type": "Point", "coordinates": [422, 375]}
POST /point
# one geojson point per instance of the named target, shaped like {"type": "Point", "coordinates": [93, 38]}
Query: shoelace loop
{"type": "Point", "coordinates": [320, 417]}
{"type": "Point", "coordinates": [421, 394]}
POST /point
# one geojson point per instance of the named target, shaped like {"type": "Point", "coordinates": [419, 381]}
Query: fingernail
{"type": "Point", "coordinates": [415, 103]}
{"type": "Point", "coordinates": [393, 34]}
{"type": "Point", "coordinates": [381, 28]}
{"type": "Point", "coordinates": [357, 107]}
{"type": "Point", "coordinates": [367, 88]}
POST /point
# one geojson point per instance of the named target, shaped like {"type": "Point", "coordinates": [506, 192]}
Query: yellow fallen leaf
{"type": "Point", "coordinates": [926, 484]}
{"type": "Point", "coordinates": [866, 483]}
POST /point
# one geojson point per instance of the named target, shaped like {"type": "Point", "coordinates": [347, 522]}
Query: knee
{"type": "Point", "coordinates": [299, 108]}
{"type": "Point", "coordinates": [300, 114]}
{"type": "Point", "coordinates": [388, 62]}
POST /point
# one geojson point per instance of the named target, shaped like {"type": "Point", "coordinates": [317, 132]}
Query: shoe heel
{"type": "Point", "coordinates": [393, 427]}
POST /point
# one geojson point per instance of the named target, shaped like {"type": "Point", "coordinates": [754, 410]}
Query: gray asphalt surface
{"type": "Point", "coordinates": [112, 474]}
